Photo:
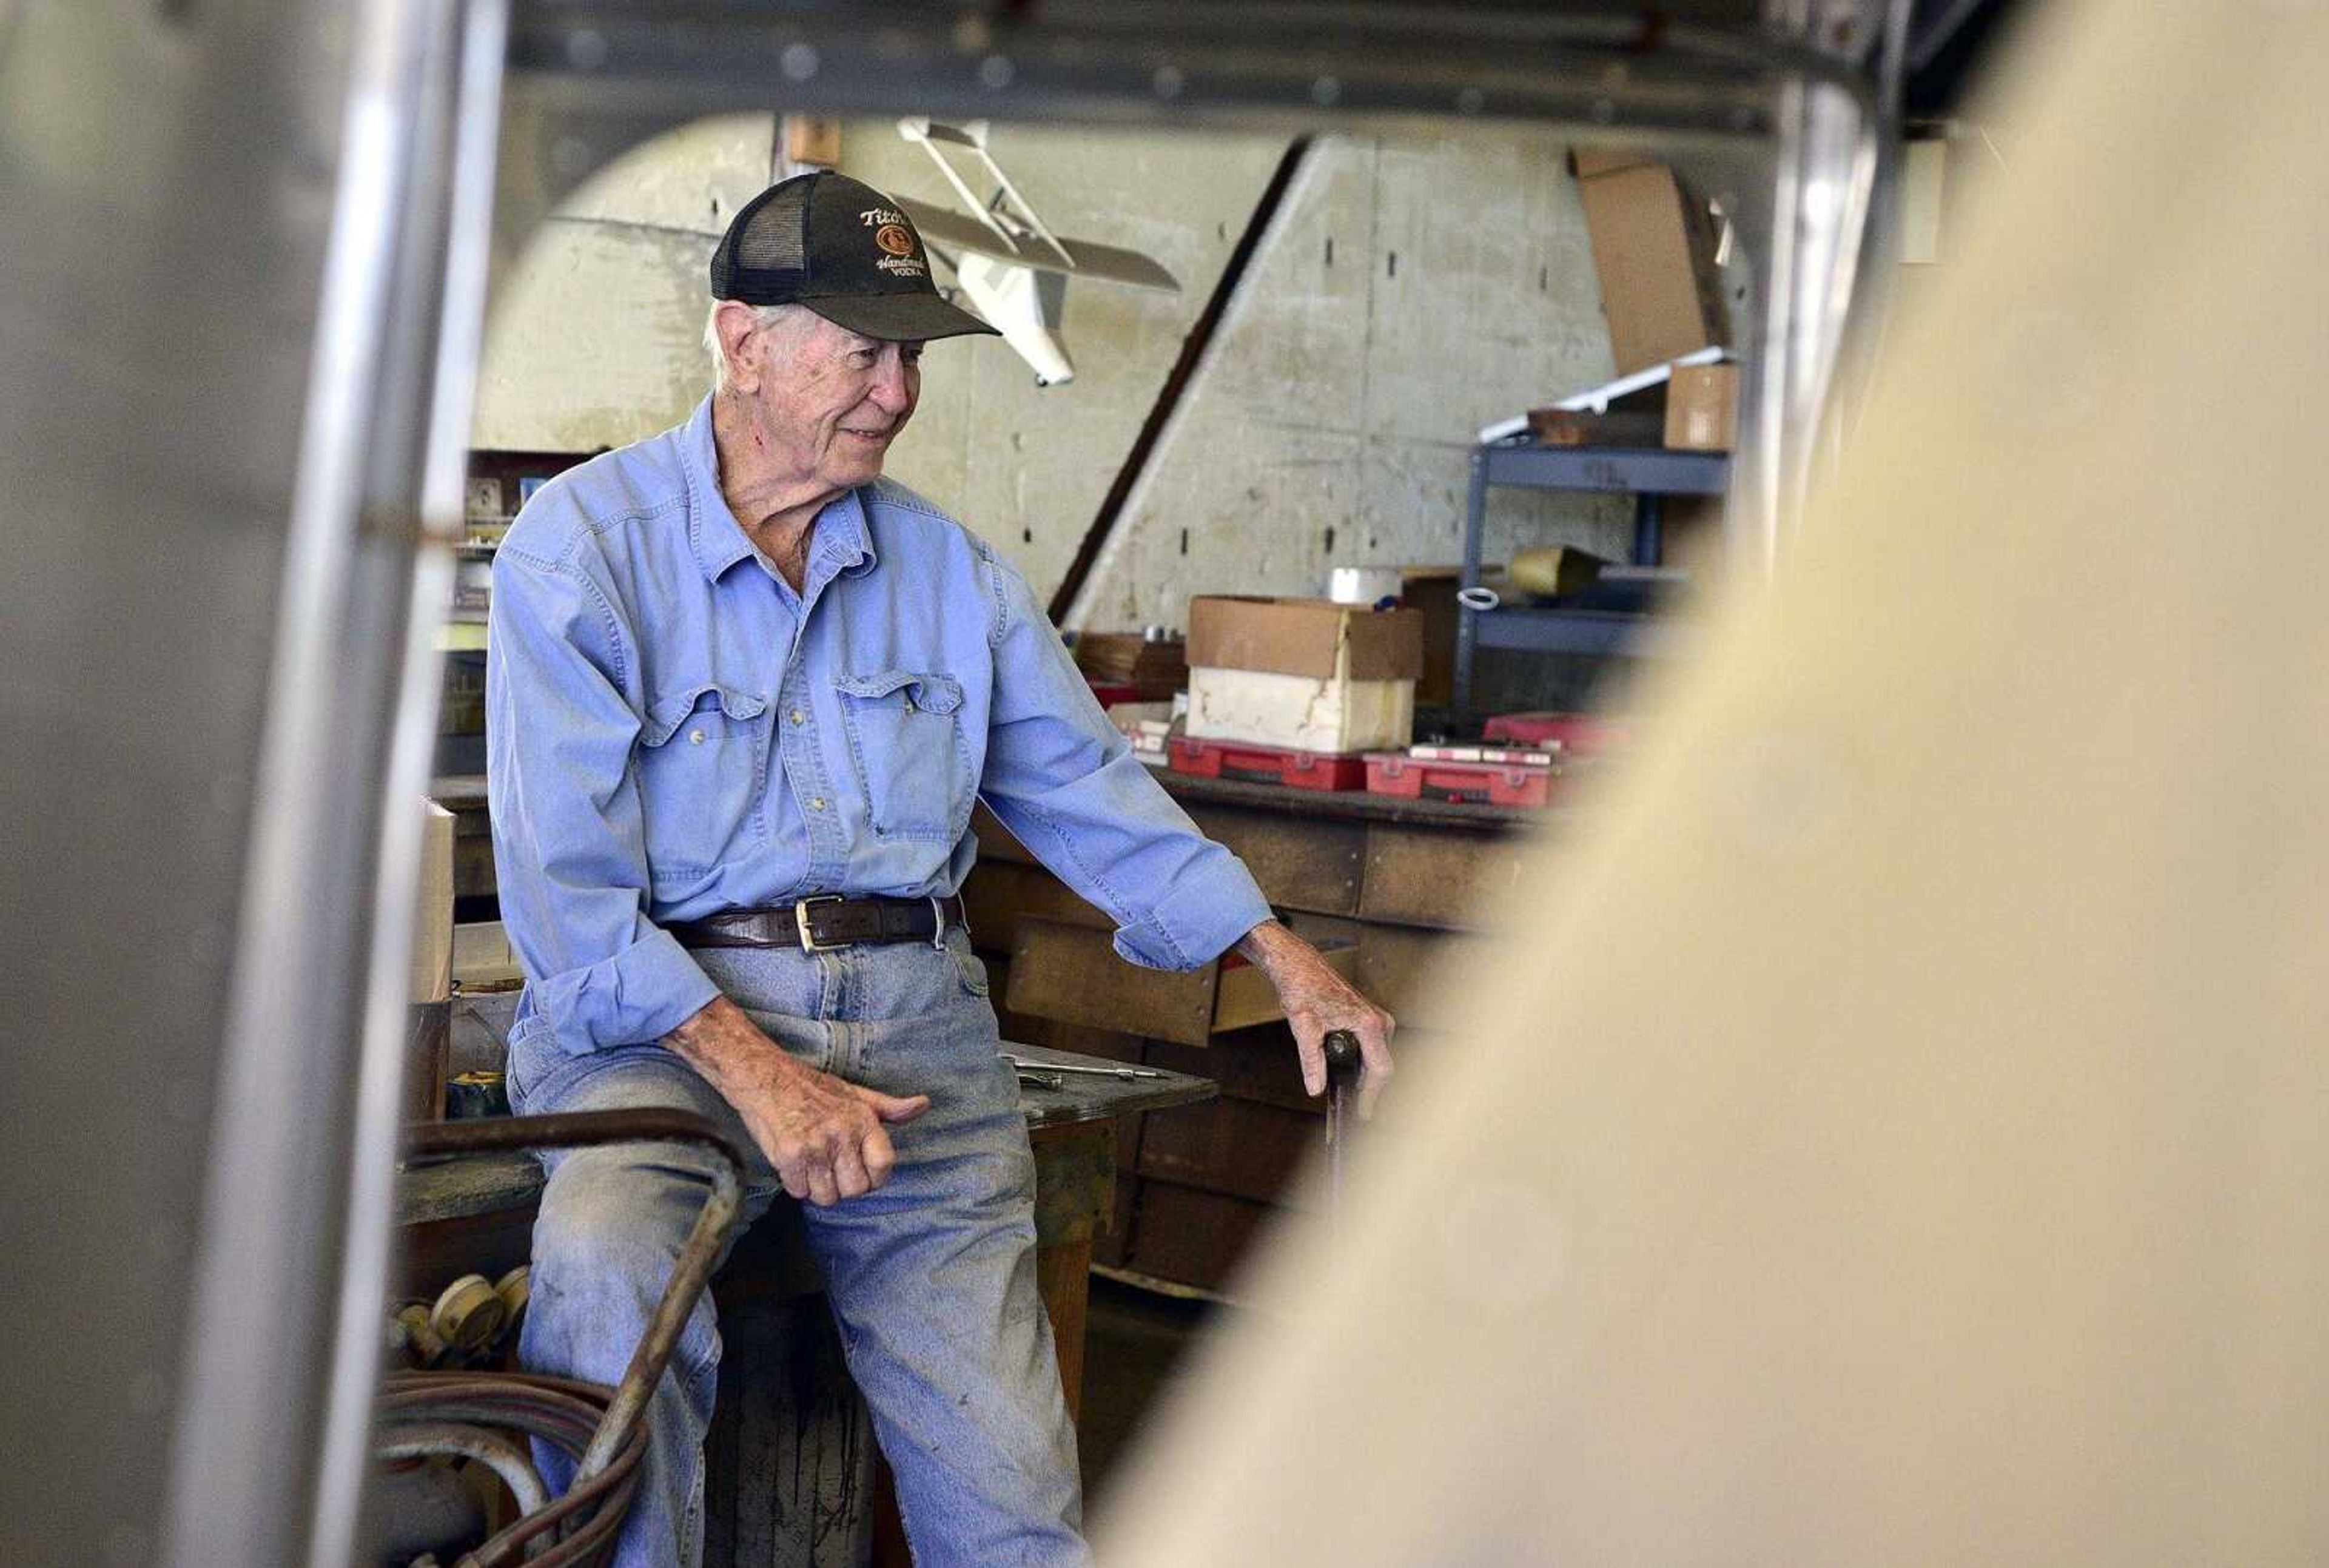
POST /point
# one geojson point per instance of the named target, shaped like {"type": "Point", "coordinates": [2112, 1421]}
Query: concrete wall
{"type": "Point", "coordinates": [594, 339]}
{"type": "Point", "coordinates": [1413, 290]}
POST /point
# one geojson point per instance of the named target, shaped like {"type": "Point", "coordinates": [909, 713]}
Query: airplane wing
{"type": "Point", "coordinates": [1112, 263]}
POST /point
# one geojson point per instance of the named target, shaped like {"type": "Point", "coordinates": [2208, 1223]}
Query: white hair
{"type": "Point", "coordinates": [788, 320]}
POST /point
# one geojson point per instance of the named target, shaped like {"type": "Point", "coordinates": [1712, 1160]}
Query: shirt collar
{"type": "Point", "coordinates": [713, 532]}
{"type": "Point", "coordinates": [843, 538]}
{"type": "Point", "coordinates": [843, 543]}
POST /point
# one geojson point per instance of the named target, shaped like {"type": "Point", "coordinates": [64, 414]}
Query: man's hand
{"type": "Point", "coordinates": [1318, 1001]}
{"type": "Point", "coordinates": [826, 1138]}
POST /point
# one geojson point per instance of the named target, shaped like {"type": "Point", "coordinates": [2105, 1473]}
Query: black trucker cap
{"type": "Point", "coordinates": [841, 248]}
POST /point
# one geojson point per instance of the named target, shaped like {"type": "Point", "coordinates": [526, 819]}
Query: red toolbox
{"type": "Point", "coordinates": [1268, 764]}
{"type": "Point", "coordinates": [1578, 734]}
{"type": "Point", "coordinates": [1478, 783]}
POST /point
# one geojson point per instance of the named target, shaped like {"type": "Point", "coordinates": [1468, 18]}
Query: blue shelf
{"type": "Point", "coordinates": [1609, 470]}
{"type": "Point", "coordinates": [1600, 632]}
{"type": "Point", "coordinates": [1644, 473]}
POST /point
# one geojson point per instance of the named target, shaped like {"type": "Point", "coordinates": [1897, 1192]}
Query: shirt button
{"type": "Point", "coordinates": [695, 737]}
{"type": "Point", "coordinates": [799, 717]}
{"type": "Point", "coordinates": [816, 803]}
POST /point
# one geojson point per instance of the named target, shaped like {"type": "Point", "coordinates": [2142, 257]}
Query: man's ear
{"type": "Point", "coordinates": [736, 322]}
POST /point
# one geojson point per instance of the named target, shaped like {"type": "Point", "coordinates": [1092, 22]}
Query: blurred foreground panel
{"type": "Point", "coordinates": [1903, 1142]}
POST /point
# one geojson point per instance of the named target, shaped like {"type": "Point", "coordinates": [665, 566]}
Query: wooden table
{"type": "Point", "coordinates": [1398, 883]}
{"type": "Point", "coordinates": [791, 1472]}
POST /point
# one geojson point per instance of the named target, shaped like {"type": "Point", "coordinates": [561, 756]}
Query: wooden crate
{"type": "Point", "coordinates": [1399, 970]}
{"type": "Point", "coordinates": [1071, 974]}
{"type": "Point", "coordinates": [1242, 1148]}
{"type": "Point", "coordinates": [1197, 1238]}
{"type": "Point", "coordinates": [1443, 877]}
{"type": "Point", "coordinates": [1258, 1065]}
{"type": "Point", "coordinates": [1301, 863]}
{"type": "Point", "coordinates": [994, 840]}
{"type": "Point", "coordinates": [1113, 1245]}
{"type": "Point", "coordinates": [999, 893]}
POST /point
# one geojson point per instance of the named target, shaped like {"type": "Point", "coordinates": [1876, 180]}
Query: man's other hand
{"type": "Point", "coordinates": [827, 1138]}
{"type": "Point", "coordinates": [1317, 1001]}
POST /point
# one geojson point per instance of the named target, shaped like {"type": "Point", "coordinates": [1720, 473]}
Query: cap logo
{"type": "Point", "coordinates": [894, 238]}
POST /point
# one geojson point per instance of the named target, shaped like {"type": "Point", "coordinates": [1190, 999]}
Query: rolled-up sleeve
{"type": "Point", "coordinates": [570, 852]}
{"type": "Point", "coordinates": [1065, 782]}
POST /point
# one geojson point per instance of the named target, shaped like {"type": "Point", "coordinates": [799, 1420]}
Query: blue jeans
{"type": "Point", "coordinates": [931, 1278]}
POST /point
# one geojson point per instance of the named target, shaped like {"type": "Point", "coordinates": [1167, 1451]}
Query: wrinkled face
{"type": "Point", "coordinates": [829, 402]}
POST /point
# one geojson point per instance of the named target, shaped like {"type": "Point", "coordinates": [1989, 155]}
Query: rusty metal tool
{"type": "Point", "coordinates": [603, 1429]}
{"type": "Point", "coordinates": [1126, 1074]}
{"type": "Point", "coordinates": [1342, 1067]}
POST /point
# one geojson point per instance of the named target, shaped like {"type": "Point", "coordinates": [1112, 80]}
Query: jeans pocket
{"type": "Point", "coordinates": [807, 1040]}
{"type": "Point", "coordinates": [971, 968]}
{"type": "Point", "coordinates": [702, 755]}
{"type": "Point", "coordinates": [520, 1066]}
{"type": "Point", "coordinates": [905, 738]}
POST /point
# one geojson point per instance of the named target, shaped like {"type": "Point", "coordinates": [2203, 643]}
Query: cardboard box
{"type": "Point", "coordinates": [1299, 713]}
{"type": "Point", "coordinates": [1430, 592]}
{"type": "Point", "coordinates": [432, 929]}
{"type": "Point", "coordinates": [813, 139]}
{"type": "Point", "coordinates": [483, 959]}
{"type": "Point", "coordinates": [1154, 670]}
{"type": "Point", "coordinates": [1654, 252]}
{"type": "Point", "coordinates": [1306, 637]}
{"type": "Point", "coordinates": [1703, 408]}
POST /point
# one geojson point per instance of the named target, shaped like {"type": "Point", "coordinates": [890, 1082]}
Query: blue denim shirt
{"type": "Point", "coordinates": [673, 732]}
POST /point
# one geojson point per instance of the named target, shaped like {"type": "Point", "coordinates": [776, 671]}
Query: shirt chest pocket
{"type": "Point", "coordinates": [905, 738]}
{"type": "Point", "coordinates": [702, 756]}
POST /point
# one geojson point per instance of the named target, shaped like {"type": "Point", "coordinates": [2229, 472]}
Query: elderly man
{"type": "Point", "coordinates": [742, 694]}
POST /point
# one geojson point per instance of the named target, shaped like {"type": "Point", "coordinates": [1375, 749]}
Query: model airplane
{"type": "Point", "coordinates": [1010, 267]}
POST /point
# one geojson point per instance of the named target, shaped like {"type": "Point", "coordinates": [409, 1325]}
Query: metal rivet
{"type": "Point", "coordinates": [799, 62]}
{"type": "Point", "coordinates": [799, 717]}
{"type": "Point", "coordinates": [1471, 100]}
{"type": "Point", "coordinates": [995, 72]}
{"type": "Point", "coordinates": [1168, 82]}
{"type": "Point", "coordinates": [816, 803]}
{"type": "Point", "coordinates": [586, 50]}
{"type": "Point", "coordinates": [1325, 91]}
{"type": "Point", "coordinates": [695, 737]}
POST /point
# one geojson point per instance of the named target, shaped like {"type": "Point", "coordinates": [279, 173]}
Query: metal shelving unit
{"type": "Point", "coordinates": [1648, 474]}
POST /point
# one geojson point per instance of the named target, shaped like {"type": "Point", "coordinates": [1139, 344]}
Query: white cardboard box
{"type": "Point", "coordinates": [1306, 713]}
{"type": "Point", "coordinates": [432, 927]}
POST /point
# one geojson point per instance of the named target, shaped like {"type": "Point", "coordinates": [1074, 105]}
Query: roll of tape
{"type": "Point", "coordinates": [469, 1314]}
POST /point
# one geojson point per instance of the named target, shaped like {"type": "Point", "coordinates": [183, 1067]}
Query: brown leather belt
{"type": "Point", "coordinates": [824, 921]}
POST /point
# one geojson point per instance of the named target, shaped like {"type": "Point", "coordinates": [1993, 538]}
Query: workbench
{"type": "Point", "coordinates": [1388, 887]}
{"type": "Point", "coordinates": [792, 1474]}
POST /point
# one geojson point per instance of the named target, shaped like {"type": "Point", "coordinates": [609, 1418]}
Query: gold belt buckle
{"type": "Point", "coordinates": [809, 944]}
